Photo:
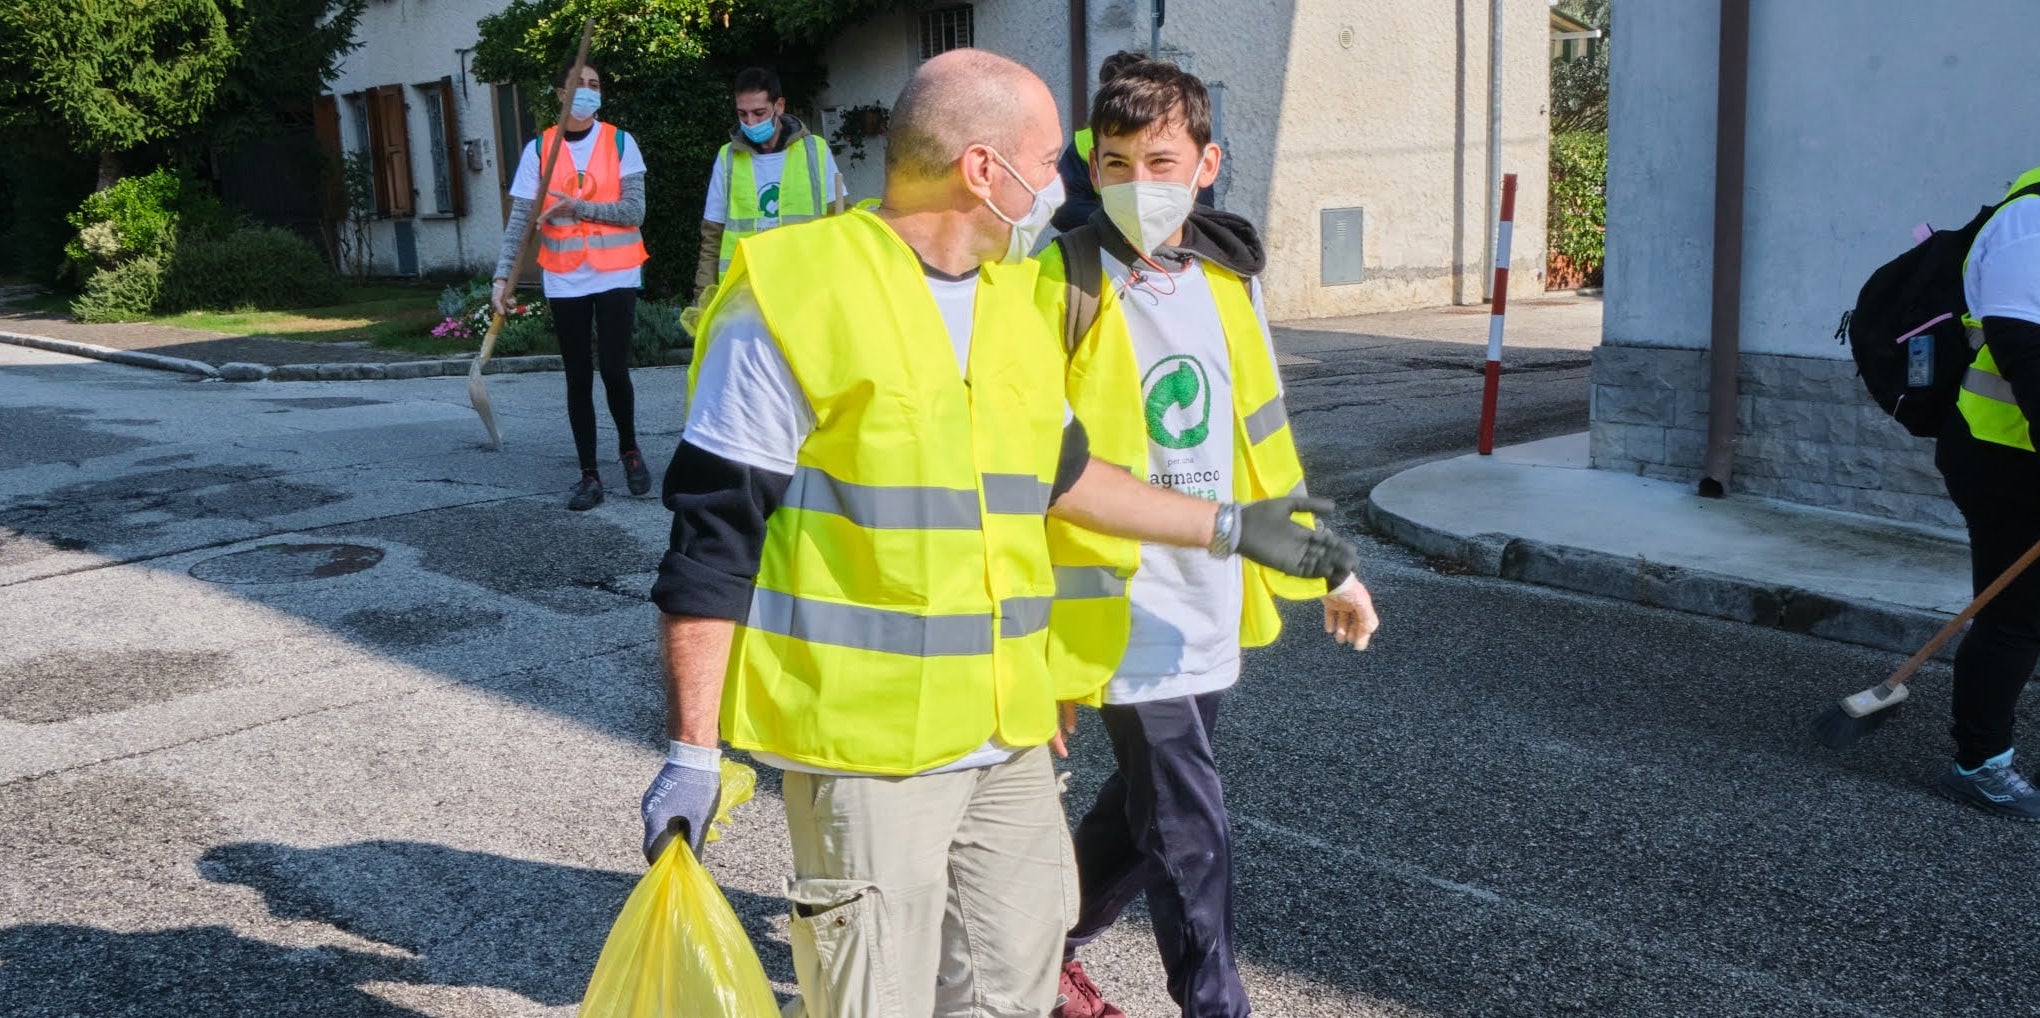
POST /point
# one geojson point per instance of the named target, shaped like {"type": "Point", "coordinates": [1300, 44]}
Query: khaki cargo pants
{"type": "Point", "coordinates": [940, 894]}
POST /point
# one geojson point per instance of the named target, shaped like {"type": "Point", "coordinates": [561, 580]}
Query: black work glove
{"type": "Point", "coordinates": [1267, 535]}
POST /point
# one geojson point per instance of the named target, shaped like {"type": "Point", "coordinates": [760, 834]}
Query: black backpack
{"type": "Point", "coordinates": [1906, 329]}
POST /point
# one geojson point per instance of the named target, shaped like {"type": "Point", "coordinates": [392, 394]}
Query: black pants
{"type": "Point", "coordinates": [1160, 826]}
{"type": "Point", "coordinates": [1998, 490]}
{"type": "Point", "coordinates": [597, 325]}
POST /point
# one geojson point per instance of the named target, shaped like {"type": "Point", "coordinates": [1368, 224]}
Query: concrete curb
{"type": "Point", "coordinates": [1859, 621]}
{"type": "Point", "coordinates": [135, 358]}
{"type": "Point", "coordinates": [341, 371]}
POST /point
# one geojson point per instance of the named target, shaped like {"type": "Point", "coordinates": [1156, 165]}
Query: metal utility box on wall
{"type": "Point", "coordinates": [407, 247]}
{"type": "Point", "coordinates": [1339, 245]}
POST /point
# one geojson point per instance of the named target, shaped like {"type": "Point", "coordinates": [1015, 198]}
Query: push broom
{"type": "Point", "coordinates": [1861, 713]}
{"type": "Point", "coordinates": [478, 392]}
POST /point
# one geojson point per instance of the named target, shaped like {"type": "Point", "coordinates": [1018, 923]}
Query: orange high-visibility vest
{"type": "Point", "coordinates": [563, 247]}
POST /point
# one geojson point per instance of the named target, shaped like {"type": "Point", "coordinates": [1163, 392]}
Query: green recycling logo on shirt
{"type": "Point", "coordinates": [1178, 402]}
{"type": "Point", "coordinates": [768, 200]}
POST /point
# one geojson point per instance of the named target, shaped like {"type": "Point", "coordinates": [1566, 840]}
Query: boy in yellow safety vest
{"type": "Point", "coordinates": [1174, 377]}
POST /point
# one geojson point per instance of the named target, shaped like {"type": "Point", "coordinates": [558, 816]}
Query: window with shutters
{"type": "Point", "coordinates": [944, 30]}
{"type": "Point", "coordinates": [442, 129]}
{"type": "Point", "coordinates": [389, 144]}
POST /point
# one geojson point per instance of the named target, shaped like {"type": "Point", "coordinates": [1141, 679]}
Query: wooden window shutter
{"type": "Point", "coordinates": [456, 167]}
{"type": "Point", "coordinates": [326, 129]}
{"type": "Point", "coordinates": [394, 149]}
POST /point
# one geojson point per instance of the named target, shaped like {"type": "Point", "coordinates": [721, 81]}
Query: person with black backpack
{"type": "Point", "coordinates": [1986, 455]}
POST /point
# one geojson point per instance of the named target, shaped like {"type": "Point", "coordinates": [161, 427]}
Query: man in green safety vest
{"type": "Point", "coordinates": [1986, 455]}
{"type": "Point", "coordinates": [771, 173]}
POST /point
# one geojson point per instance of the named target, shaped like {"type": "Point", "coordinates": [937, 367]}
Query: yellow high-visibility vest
{"type": "Point", "coordinates": [901, 611]}
{"type": "Point", "coordinates": [1083, 141]}
{"type": "Point", "coordinates": [1986, 399]}
{"type": "Point", "coordinates": [1092, 616]}
{"type": "Point", "coordinates": [801, 196]}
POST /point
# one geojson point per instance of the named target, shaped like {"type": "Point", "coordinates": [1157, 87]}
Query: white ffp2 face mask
{"type": "Point", "coordinates": [1035, 221]}
{"type": "Point", "coordinates": [1147, 212]}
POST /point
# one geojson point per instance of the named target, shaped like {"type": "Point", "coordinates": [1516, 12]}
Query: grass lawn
{"type": "Point", "coordinates": [396, 316]}
{"type": "Point", "coordinates": [393, 315]}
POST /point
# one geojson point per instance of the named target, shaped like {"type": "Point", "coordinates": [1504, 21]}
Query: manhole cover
{"type": "Point", "coordinates": [288, 563]}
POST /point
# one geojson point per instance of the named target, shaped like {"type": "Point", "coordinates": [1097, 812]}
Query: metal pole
{"type": "Point", "coordinates": [1492, 385]}
{"type": "Point", "coordinates": [1725, 347]}
{"type": "Point", "coordinates": [1155, 30]}
{"type": "Point", "coordinates": [1491, 221]}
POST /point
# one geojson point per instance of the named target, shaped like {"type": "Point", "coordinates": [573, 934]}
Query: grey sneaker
{"type": "Point", "coordinates": [1994, 788]}
{"type": "Point", "coordinates": [587, 494]}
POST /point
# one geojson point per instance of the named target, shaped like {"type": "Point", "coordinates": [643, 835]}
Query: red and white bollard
{"type": "Point", "coordinates": [1503, 231]}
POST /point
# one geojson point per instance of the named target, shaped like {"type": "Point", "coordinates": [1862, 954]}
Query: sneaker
{"type": "Point", "coordinates": [1994, 788]}
{"type": "Point", "coordinates": [1078, 997]}
{"type": "Point", "coordinates": [587, 494]}
{"type": "Point", "coordinates": [635, 474]}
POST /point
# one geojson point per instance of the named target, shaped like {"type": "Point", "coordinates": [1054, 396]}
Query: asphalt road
{"type": "Point", "coordinates": [309, 706]}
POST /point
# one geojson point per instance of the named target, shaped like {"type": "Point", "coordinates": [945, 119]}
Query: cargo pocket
{"type": "Point", "coordinates": [842, 953]}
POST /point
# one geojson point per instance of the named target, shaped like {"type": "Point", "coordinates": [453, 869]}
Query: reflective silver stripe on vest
{"type": "Point", "coordinates": [791, 220]}
{"type": "Point", "coordinates": [1082, 582]}
{"type": "Point", "coordinates": [1019, 494]}
{"type": "Point", "coordinates": [744, 226]}
{"type": "Point", "coordinates": [865, 628]}
{"type": "Point", "coordinates": [578, 242]}
{"type": "Point", "coordinates": [1023, 616]}
{"type": "Point", "coordinates": [1975, 337]}
{"type": "Point", "coordinates": [814, 176]}
{"type": "Point", "coordinates": [884, 508]}
{"type": "Point", "coordinates": [1266, 421]}
{"type": "Point", "coordinates": [1989, 386]}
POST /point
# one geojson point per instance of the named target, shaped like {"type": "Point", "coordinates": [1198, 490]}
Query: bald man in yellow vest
{"type": "Point", "coordinates": [859, 583]}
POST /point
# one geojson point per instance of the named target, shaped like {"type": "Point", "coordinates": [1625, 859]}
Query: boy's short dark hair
{"type": "Point", "coordinates": [1116, 63]}
{"type": "Point", "coordinates": [1148, 94]}
{"type": "Point", "coordinates": [567, 71]}
{"type": "Point", "coordinates": [758, 79]}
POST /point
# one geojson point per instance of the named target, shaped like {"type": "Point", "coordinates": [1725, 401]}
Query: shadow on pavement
{"type": "Point", "coordinates": [198, 970]}
{"type": "Point", "coordinates": [471, 918]}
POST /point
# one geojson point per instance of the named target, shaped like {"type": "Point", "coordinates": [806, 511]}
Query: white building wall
{"type": "Point", "coordinates": [1866, 117]}
{"type": "Point", "coordinates": [415, 43]}
{"type": "Point", "coordinates": [1323, 106]}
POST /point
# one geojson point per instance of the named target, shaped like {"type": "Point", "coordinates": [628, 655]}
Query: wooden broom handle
{"type": "Point", "coordinates": [1954, 625]}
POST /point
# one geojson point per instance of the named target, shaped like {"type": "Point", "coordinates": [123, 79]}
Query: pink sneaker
{"type": "Point", "coordinates": [1078, 997]}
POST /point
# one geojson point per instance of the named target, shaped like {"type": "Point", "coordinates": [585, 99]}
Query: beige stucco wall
{"type": "Point", "coordinates": [1392, 120]}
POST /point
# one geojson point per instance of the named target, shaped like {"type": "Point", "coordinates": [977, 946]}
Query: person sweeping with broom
{"type": "Point", "coordinates": [1986, 455]}
{"type": "Point", "coordinates": [591, 254]}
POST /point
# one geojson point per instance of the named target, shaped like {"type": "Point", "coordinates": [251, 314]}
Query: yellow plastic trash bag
{"type": "Point", "coordinates": [690, 316]}
{"type": "Point", "coordinates": [677, 949]}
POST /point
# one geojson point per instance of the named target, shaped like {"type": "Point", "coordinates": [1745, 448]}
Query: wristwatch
{"type": "Point", "coordinates": [1225, 536]}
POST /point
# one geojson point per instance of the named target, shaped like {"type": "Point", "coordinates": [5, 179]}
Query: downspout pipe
{"type": "Point", "coordinates": [1080, 64]}
{"type": "Point", "coordinates": [1731, 121]}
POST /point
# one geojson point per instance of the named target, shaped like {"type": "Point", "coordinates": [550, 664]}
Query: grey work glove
{"type": "Point", "coordinates": [1266, 534]}
{"type": "Point", "coordinates": [682, 800]}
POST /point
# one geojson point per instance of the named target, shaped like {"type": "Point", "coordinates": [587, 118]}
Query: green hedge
{"type": "Point", "coordinates": [162, 243]}
{"type": "Point", "coordinates": [1579, 204]}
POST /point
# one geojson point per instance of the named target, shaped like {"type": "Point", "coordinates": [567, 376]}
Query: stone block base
{"type": "Point", "coordinates": [1807, 431]}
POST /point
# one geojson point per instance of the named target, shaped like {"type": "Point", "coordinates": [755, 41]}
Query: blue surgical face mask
{"type": "Point", "coordinates": [760, 132]}
{"type": "Point", "coordinates": [586, 102]}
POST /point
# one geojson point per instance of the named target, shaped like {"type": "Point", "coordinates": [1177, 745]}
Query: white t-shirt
{"type": "Point", "coordinates": [747, 408]}
{"type": "Point", "coordinates": [766, 171]}
{"type": "Point", "coordinates": [583, 280]}
{"type": "Point", "coordinates": [2003, 276]}
{"type": "Point", "coordinates": [1185, 638]}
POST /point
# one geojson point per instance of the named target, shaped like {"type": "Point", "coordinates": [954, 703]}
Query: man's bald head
{"type": "Point", "coordinates": [962, 98]}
